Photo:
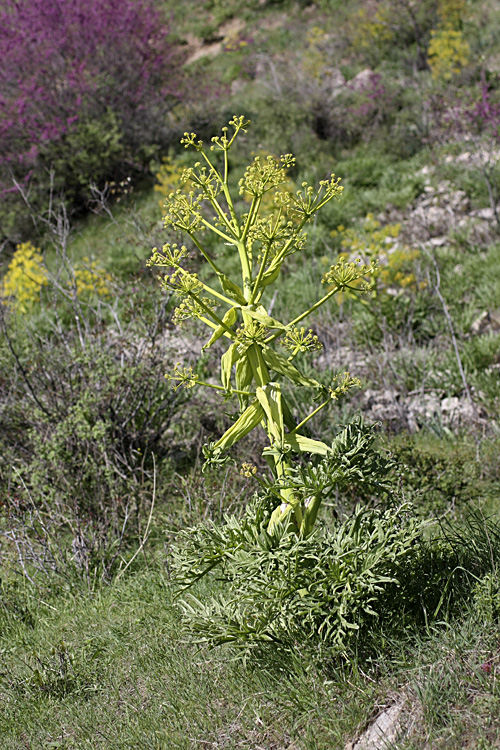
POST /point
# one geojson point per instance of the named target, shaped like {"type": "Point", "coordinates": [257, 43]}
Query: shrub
{"type": "Point", "coordinates": [471, 119]}
{"type": "Point", "coordinates": [169, 178]}
{"type": "Point", "coordinates": [25, 277]}
{"type": "Point", "coordinates": [395, 286]}
{"type": "Point", "coordinates": [448, 53]}
{"type": "Point", "coordinates": [372, 241]}
{"type": "Point", "coordinates": [383, 26]}
{"type": "Point", "coordinates": [85, 409]}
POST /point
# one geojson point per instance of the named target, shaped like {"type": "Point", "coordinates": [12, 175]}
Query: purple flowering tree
{"type": "Point", "coordinates": [67, 63]}
{"type": "Point", "coordinates": [473, 120]}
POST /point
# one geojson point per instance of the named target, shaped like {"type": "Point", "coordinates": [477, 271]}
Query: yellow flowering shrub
{"type": "Point", "coordinates": [448, 53]}
{"type": "Point", "coordinates": [451, 12]}
{"type": "Point", "coordinates": [91, 279]}
{"type": "Point", "coordinates": [370, 28]}
{"type": "Point", "coordinates": [235, 42]}
{"type": "Point", "coordinates": [371, 242]}
{"type": "Point", "coordinates": [25, 277]}
{"type": "Point", "coordinates": [169, 178]}
{"type": "Point", "coordinates": [314, 59]}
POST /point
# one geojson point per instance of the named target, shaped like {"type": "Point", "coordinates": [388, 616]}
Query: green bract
{"type": "Point", "coordinates": [250, 366]}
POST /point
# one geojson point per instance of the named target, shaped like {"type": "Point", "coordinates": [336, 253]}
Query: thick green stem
{"type": "Point", "coordinates": [246, 271]}
{"type": "Point", "coordinates": [282, 469]}
{"type": "Point", "coordinates": [260, 274]}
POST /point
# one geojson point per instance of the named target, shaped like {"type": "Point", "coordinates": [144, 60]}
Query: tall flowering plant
{"type": "Point", "coordinates": [252, 368]}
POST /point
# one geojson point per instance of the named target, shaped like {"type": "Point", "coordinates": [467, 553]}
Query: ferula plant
{"type": "Point", "coordinates": [233, 309]}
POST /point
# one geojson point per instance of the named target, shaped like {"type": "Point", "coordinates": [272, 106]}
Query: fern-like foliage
{"type": "Point", "coordinates": [289, 590]}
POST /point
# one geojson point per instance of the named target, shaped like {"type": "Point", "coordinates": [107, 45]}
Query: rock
{"type": "Point", "coordinates": [486, 323]}
{"type": "Point", "coordinates": [383, 406]}
{"type": "Point", "coordinates": [383, 732]}
{"type": "Point", "coordinates": [484, 213]}
{"type": "Point", "coordinates": [342, 358]}
{"type": "Point", "coordinates": [439, 241]}
{"type": "Point", "coordinates": [421, 409]}
{"type": "Point", "coordinates": [480, 325]}
{"type": "Point", "coordinates": [456, 411]}
{"type": "Point", "coordinates": [334, 82]}
{"type": "Point", "coordinates": [361, 80]}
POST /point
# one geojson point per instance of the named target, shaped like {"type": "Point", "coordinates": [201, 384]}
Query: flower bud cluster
{"type": "Point", "coordinates": [248, 470]}
{"type": "Point", "coordinates": [307, 201]}
{"type": "Point", "coordinates": [344, 273]}
{"type": "Point", "coordinates": [251, 332]}
{"type": "Point", "coordinates": [183, 376]}
{"type": "Point", "coordinates": [191, 309]}
{"type": "Point", "coordinates": [170, 257]}
{"type": "Point", "coordinates": [343, 382]}
{"type": "Point", "coordinates": [266, 174]}
{"type": "Point", "coordinates": [183, 212]}
{"type": "Point", "coordinates": [301, 340]}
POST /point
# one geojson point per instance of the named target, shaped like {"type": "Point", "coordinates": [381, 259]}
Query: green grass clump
{"type": "Point", "coordinates": [111, 669]}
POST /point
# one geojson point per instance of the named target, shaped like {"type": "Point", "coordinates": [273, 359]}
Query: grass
{"type": "Point", "coordinates": [132, 681]}
{"type": "Point", "coordinates": [111, 670]}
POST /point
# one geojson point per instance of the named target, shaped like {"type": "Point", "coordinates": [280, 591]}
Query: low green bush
{"type": "Point", "coordinates": [85, 418]}
{"type": "Point", "coordinates": [287, 592]}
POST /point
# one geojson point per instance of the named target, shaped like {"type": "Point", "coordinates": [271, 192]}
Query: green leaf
{"type": "Point", "coordinates": [280, 364]}
{"type": "Point", "coordinates": [259, 369]}
{"type": "Point", "coordinates": [227, 361]}
{"type": "Point", "coordinates": [232, 289]}
{"type": "Point", "coordinates": [302, 444]}
{"type": "Point", "coordinates": [261, 316]}
{"type": "Point", "coordinates": [269, 398]}
{"type": "Point", "coordinates": [229, 319]}
{"type": "Point", "coordinates": [270, 276]}
{"type": "Point", "coordinates": [244, 373]}
{"type": "Point", "coordinates": [287, 414]}
{"type": "Point", "coordinates": [246, 422]}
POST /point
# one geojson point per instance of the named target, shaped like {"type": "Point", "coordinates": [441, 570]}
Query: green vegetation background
{"type": "Point", "coordinates": [99, 458]}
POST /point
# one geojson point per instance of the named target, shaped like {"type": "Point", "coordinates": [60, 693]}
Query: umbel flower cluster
{"type": "Point", "coordinates": [232, 308]}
